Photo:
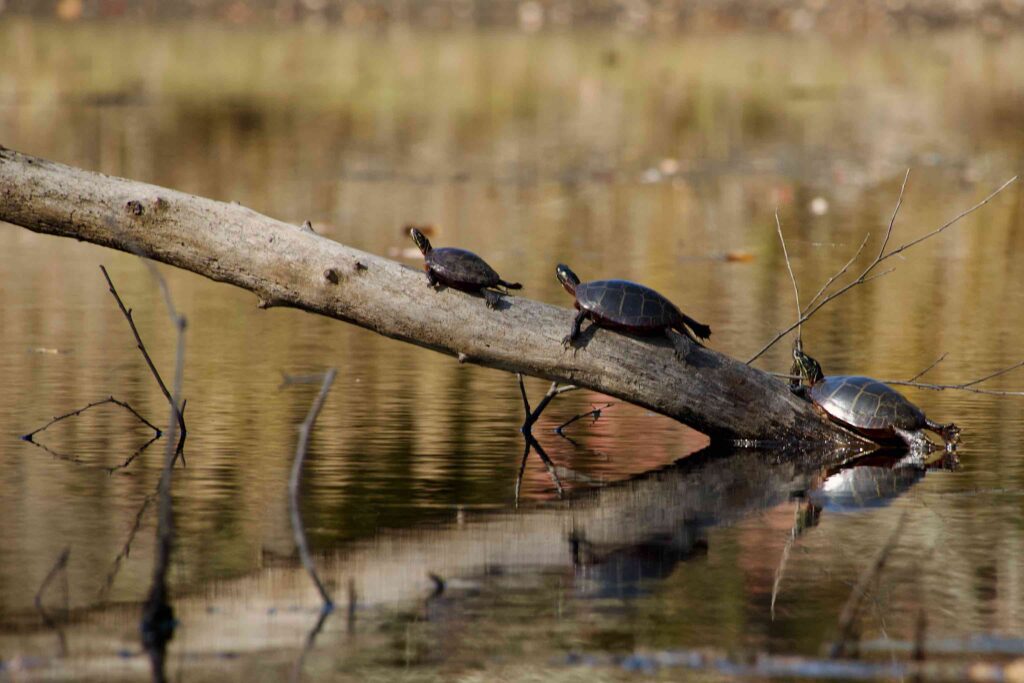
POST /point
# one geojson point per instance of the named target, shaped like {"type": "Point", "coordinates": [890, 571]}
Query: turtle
{"type": "Point", "coordinates": [460, 269]}
{"type": "Point", "coordinates": [628, 307]}
{"type": "Point", "coordinates": [869, 407]}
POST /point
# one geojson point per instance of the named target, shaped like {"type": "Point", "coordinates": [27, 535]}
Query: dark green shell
{"type": "Point", "coordinates": [626, 304]}
{"type": "Point", "coordinates": [866, 404]}
{"type": "Point", "coordinates": [459, 267]}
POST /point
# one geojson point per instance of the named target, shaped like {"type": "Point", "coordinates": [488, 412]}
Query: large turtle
{"type": "Point", "coordinates": [869, 407]}
{"type": "Point", "coordinates": [629, 307]}
{"type": "Point", "coordinates": [460, 269]}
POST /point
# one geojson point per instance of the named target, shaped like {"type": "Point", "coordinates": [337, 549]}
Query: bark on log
{"type": "Point", "coordinates": [287, 266]}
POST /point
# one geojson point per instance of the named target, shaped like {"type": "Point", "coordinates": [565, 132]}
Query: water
{"type": "Point", "coordinates": [650, 159]}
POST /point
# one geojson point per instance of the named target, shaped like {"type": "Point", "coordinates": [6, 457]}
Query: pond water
{"type": "Point", "coordinates": [659, 159]}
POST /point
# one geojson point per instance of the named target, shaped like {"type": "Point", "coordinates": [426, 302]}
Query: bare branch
{"type": "Point", "coordinates": [789, 266]}
{"type": "Point", "coordinates": [892, 220]}
{"type": "Point", "coordinates": [298, 530]}
{"type": "Point", "coordinates": [74, 413]}
{"type": "Point", "coordinates": [929, 368]}
{"type": "Point", "coordinates": [969, 386]}
{"type": "Point", "coordinates": [839, 273]}
{"type": "Point", "coordinates": [529, 420]}
{"type": "Point", "coordinates": [867, 274]}
{"type": "Point", "coordinates": [179, 417]}
{"type": "Point", "coordinates": [595, 413]}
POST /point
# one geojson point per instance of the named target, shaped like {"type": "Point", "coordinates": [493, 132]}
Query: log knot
{"type": "Point", "coordinates": [134, 207]}
{"type": "Point", "coordinates": [331, 275]}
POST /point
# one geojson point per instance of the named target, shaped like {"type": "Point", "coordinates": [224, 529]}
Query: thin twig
{"type": "Point", "coordinates": [892, 220]}
{"type": "Point", "coordinates": [839, 273]}
{"type": "Point", "coordinates": [970, 386]}
{"type": "Point", "coordinates": [179, 417]}
{"type": "Point", "coordinates": [851, 610]}
{"type": "Point", "coordinates": [301, 447]}
{"type": "Point", "coordinates": [789, 266]}
{"type": "Point", "coordinates": [867, 275]}
{"type": "Point", "coordinates": [595, 413]}
{"type": "Point", "coordinates": [929, 368]}
{"type": "Point", "coordinates": [94, 404]}
{"type": "Point", "coordinates": [59, 567]}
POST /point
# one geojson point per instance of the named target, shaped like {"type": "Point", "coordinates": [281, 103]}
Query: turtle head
{"type": "Point", "coordinates": [567, 278]}
{"type": "Point", "coordinates": [806, 366]}
{"type": "Point", "coordinates": [421, 240]}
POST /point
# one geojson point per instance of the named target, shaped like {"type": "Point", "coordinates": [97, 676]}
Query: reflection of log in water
{"type": "Point", "coordinates": [640, 528]}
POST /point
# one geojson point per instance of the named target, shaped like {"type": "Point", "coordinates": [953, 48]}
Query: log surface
{"type": "Point", "coordinates": [285, 265]}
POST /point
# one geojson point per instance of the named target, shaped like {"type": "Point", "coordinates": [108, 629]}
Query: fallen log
{"type": "Point", "coordinates": [285, 265]}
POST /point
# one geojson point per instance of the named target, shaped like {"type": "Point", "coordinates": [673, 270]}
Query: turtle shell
{"type": "Point", "coordinates": [867, 405]}
{"type": "Point", "coordinates": [461, 269]}
{"type": "Point", "coordinates": [626, 305]}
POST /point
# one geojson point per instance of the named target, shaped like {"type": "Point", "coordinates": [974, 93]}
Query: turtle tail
{"type": "Point", "coordinates": [699, 329]}
{"type": "Point", "coordinates": [510, 285]}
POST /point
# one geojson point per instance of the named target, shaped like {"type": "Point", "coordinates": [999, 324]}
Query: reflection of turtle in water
{"type": "Point", "coordinates": [868, 406]}
{"type": "Point", "coordinates": [627, 306]}
{"type": "Point", "coordinates": [460, 269]}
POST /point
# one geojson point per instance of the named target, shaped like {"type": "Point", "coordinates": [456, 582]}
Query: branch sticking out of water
{"type": "Point", "coordinates": [531, 417]}
{"type": "Point", "coordinates": [74, 413]}
{"type": "Point", "coordinates": [868, 273]}
{"type": "Point", "coordinates": [301, 448]}
{"type": "Point", "coordinates": [59, 567]}
{"type": "Point", "coordinates": [158, 623]}
{"type": "Point", "coordinates": [298, 529]}
{"type": "Point", "coordinates": [178, 414]}
{"type": "Point", "coordinates": [594, 413]}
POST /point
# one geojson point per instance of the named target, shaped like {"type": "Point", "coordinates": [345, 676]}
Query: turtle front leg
{"type": "Point", "coordinates": [950, 433]}
{"type": "Point", "coordinates": [431, 278]}
{"type": "Point", "coordinates": [568, 339]}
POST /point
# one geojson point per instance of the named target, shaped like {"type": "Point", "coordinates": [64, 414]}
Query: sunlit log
{"type": "Point", "coordinates": [285, 265]}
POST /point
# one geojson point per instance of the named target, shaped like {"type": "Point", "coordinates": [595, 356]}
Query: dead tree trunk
{"type": "Point", "coordinates": [287, 266]}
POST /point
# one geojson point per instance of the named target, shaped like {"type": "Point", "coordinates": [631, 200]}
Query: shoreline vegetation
{"type": "Point", "coordinates": [851, 17]}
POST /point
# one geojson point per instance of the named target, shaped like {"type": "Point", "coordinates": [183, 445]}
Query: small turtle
{"type": "Point", "coordinates": [460, 269]}
{"type": "Point", "coordinates": [629, 307]}
{"type": "Point", "coordinates": [869, 407]}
